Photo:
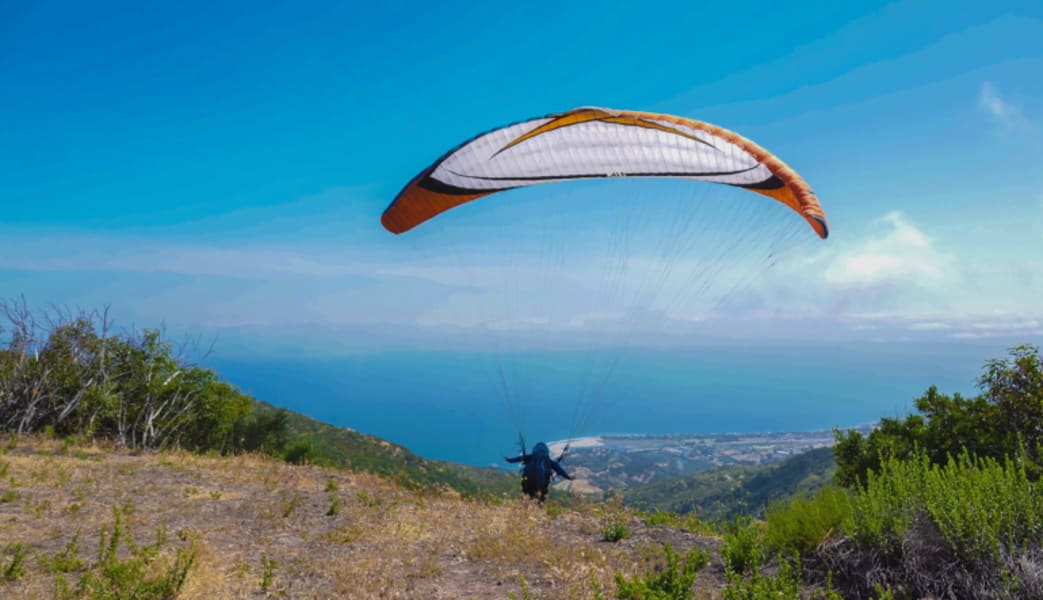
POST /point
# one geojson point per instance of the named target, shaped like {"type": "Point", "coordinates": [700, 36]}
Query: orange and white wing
{"type": "Point", "coordinates": [590, 143]}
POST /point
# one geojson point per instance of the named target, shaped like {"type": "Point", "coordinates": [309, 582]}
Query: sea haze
{"type": "Point", "coordinates": [452, 406]}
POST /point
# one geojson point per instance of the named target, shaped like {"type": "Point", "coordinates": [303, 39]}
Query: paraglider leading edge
{"type": "Point", "coordinates": [592, 143]}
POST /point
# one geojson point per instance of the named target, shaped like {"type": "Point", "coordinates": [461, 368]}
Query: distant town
{"type": "Point", "coordinates": [618, 461]}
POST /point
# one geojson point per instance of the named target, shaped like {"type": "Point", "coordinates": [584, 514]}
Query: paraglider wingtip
{"type": "Point", "coordinates": [391, 224]}
{"type": "Point", "coordinates": [823, 227]}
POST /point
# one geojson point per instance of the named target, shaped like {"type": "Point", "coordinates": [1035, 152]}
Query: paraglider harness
{"type": "Point", "coordinates": [535, 476]}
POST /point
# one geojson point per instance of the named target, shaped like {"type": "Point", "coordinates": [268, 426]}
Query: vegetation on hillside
{"type": "Point", "coordinates": [1005, 420]}
{"type": "Point", "coordinates": [72, 374]}
{"type": "Point", "coordinates": [944, 504]}
{"type": "Point", "coordinates": [325, 444]}
{"type": "Point", "coordinates": [725, 493]}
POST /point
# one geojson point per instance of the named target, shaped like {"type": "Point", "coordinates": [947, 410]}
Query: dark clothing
{"type": "Point", "coordinates": [537, 470]}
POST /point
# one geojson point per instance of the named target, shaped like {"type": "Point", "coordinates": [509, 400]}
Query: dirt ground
{"type": "Point", "coordinates": [259, 528]}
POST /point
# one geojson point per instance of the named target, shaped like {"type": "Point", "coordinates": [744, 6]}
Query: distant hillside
{"type": "Point", "coordinates": [342, 447]}
{"type": "Point", "coordinates": [723, 493]}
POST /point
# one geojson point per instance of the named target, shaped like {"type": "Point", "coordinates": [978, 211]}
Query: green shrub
{"type": "Point", "coordinates": [334, 506]}
{"type": "Point", "coordinates": [970, 527]}
{"type": "Point", "coordinates": [331, 493]}
{"type": "Point", "coordinates": [262, 431]}
{"type": "Point", "coordinates": [290, 505]}
{"type": "Point", "coordinates": [615, 530]}
{"type": "Point", "coordinates": [800, 525]}
{"type": "Point", "coordinates": [68, 558]}
{"type": "Point", "coordinates": [673, 581]}
{"type": "Point", "coordinates": [785, 583]}
{"type": "Point", "coordinates": [136, 576]}
{"type": "Point", "coordinates": [368, 499]}
{"type": "Point", "coordinates": [267, 572]}
{"type": "Point", "coordinates": [16, 568]}
{"type": "Point", "coordinates": [885, 508]}
{"type": "Point", "coordinates": [302, 452]}
{"type": "Point", "coordinates": [979, 505]}
{"type": "Point", "coordinates": [743, 548]}
{"type": "Point", "coordinates": [982, 507]}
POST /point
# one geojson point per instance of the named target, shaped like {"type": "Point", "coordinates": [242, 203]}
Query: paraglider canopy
{"type": "Point", "coordinates": [590, 143]}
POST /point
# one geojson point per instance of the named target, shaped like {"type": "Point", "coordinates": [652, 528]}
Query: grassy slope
{"type": "Point", "coordinates": [257, 526]}
{"type": "Point", "coordinates": [716, 494]}
{"type": "Point", "coordinates": [723, 493]}
{"type": "Point", "coordinates": [350, 449]}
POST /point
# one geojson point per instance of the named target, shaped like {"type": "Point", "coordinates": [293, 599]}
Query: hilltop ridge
{"type": "Point", "coordinates": [250, 525]}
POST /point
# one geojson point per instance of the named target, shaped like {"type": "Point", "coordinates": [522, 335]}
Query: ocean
{"type": "Point", "coordinates": [453, 406]}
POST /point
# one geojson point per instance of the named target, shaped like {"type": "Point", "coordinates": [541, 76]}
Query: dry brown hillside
{"type": "Point", "coordinates": [249, 526]}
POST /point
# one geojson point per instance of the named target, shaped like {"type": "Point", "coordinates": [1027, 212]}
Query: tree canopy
{"type": "Point", "coordinates": [71, 374]}
{"type": "Point", "coordinates": [1005, 419]}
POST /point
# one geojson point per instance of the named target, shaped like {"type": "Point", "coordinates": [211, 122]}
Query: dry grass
{"type": "Point", "coordinates": [260, 527]}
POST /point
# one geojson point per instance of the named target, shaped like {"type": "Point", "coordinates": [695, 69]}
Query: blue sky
{"type": "Point", "coordinates": [222, 168]}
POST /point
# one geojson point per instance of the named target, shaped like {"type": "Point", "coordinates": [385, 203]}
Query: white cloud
{"type": "Point", "coordinates": [1008, 115]}
{"type": "Point", "coordinates": [902, 279]}
{"type": "Point", "coordinates": [896, 252]}
{"type": "Point", "coordinates": [1006, 325]}
{"type": "Point", "coordinates": [895, 278]}
{"type": "Point", "coordinates": [930, 326]}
